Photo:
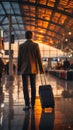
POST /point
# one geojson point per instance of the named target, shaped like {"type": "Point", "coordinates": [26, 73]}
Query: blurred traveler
{"type": "Point", "coordinates": [7, 68]}
{"type": "Point", "coordinates": [66, 64]}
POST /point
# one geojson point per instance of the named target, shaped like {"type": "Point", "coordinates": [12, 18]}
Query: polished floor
{"type": "Point", "coordinates": [12, 116]}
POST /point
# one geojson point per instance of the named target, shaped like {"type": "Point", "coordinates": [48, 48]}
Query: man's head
{"type": "Point", "coordinates": [28, 34]}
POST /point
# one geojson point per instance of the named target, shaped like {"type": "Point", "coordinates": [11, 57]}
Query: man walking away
{"type": "Point", "coordinates": [29, 64]}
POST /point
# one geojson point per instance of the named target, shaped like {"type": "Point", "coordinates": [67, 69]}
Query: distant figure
{"type": "Point", "coordinates": [29, 63]}
{"type": "Point", "coordinates": [71, 66]}
{"type": "Point", "coordinates": [7, 68]}
{"type": "Point", "coordinates": [58, 66]}
{"type": "Point", "coordinates": [66, 64]}
{"type": "Point", "coordinates": [1, 68]}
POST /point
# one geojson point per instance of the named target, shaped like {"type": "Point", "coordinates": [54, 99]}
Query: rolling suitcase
{"type": "Point", "coordinates": [46, 95]}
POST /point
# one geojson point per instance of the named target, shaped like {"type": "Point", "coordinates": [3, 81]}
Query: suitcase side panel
{"type": "Point", "coordinates": [46, 96]}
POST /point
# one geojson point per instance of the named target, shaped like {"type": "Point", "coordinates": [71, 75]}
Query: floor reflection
{"type": "Point", "coordinates": [12, 116]}
{"type": "Point", "coordinates": [11, 109]}
{"type": "Point", "coordinates": [46, 121]}
{"type": "Point", "coordinates": [26, 121]}
{"type": "Point", "coordinates": [29, 121]}
{"type": "Point", "coordinates": [1, 104]}
{"type": "Point", "coordinates": [33, 126]}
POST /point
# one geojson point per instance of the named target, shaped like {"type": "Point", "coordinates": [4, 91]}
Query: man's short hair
{"type": "Point", "coordinates": [28, 34]}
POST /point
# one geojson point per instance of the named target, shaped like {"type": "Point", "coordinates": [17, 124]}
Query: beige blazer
{"type": "Point", "coordinates": [29, 58]}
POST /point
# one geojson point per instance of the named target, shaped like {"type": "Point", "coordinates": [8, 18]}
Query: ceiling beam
{"type": "Point", "coordinates": [16, 19]}
{"type": "Point", "coordinates": [40, 5]}
{"type": "Point", "coordinates": [23, 15]}
{"type": "Point", "coordinates": [34, 26]}
{"type": "Point", "coordinates": [47, 7]}
{"type": "Point", "coordinates": [7, 15]}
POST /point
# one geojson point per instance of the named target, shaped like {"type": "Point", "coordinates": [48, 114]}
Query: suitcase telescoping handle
{"type": "Point", "coordinates": [44, 78]}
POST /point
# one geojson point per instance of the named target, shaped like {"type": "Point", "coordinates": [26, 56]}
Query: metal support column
{"type": "Point", "coordinates": [10, 53]}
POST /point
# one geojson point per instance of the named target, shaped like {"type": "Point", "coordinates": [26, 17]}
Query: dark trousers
{"type": "Point", "coordinates": [25, 81]}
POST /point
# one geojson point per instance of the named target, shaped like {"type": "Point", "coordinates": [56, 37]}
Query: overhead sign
{"type": "Point", "coordinates": [7, 52]}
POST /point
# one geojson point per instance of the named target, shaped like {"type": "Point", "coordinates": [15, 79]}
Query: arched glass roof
{"type": "Point", "coordinates": [50, 20]}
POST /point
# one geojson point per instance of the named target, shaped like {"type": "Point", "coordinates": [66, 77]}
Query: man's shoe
{"type": "Point", "coordinates": [26, 108]}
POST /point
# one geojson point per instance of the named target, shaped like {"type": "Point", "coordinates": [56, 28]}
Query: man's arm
{"type": "Point", "coordinates": [39, 59]}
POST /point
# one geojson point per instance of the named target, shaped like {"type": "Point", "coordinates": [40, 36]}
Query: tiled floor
{"type": "Point", "coordinates": [12, 116]}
